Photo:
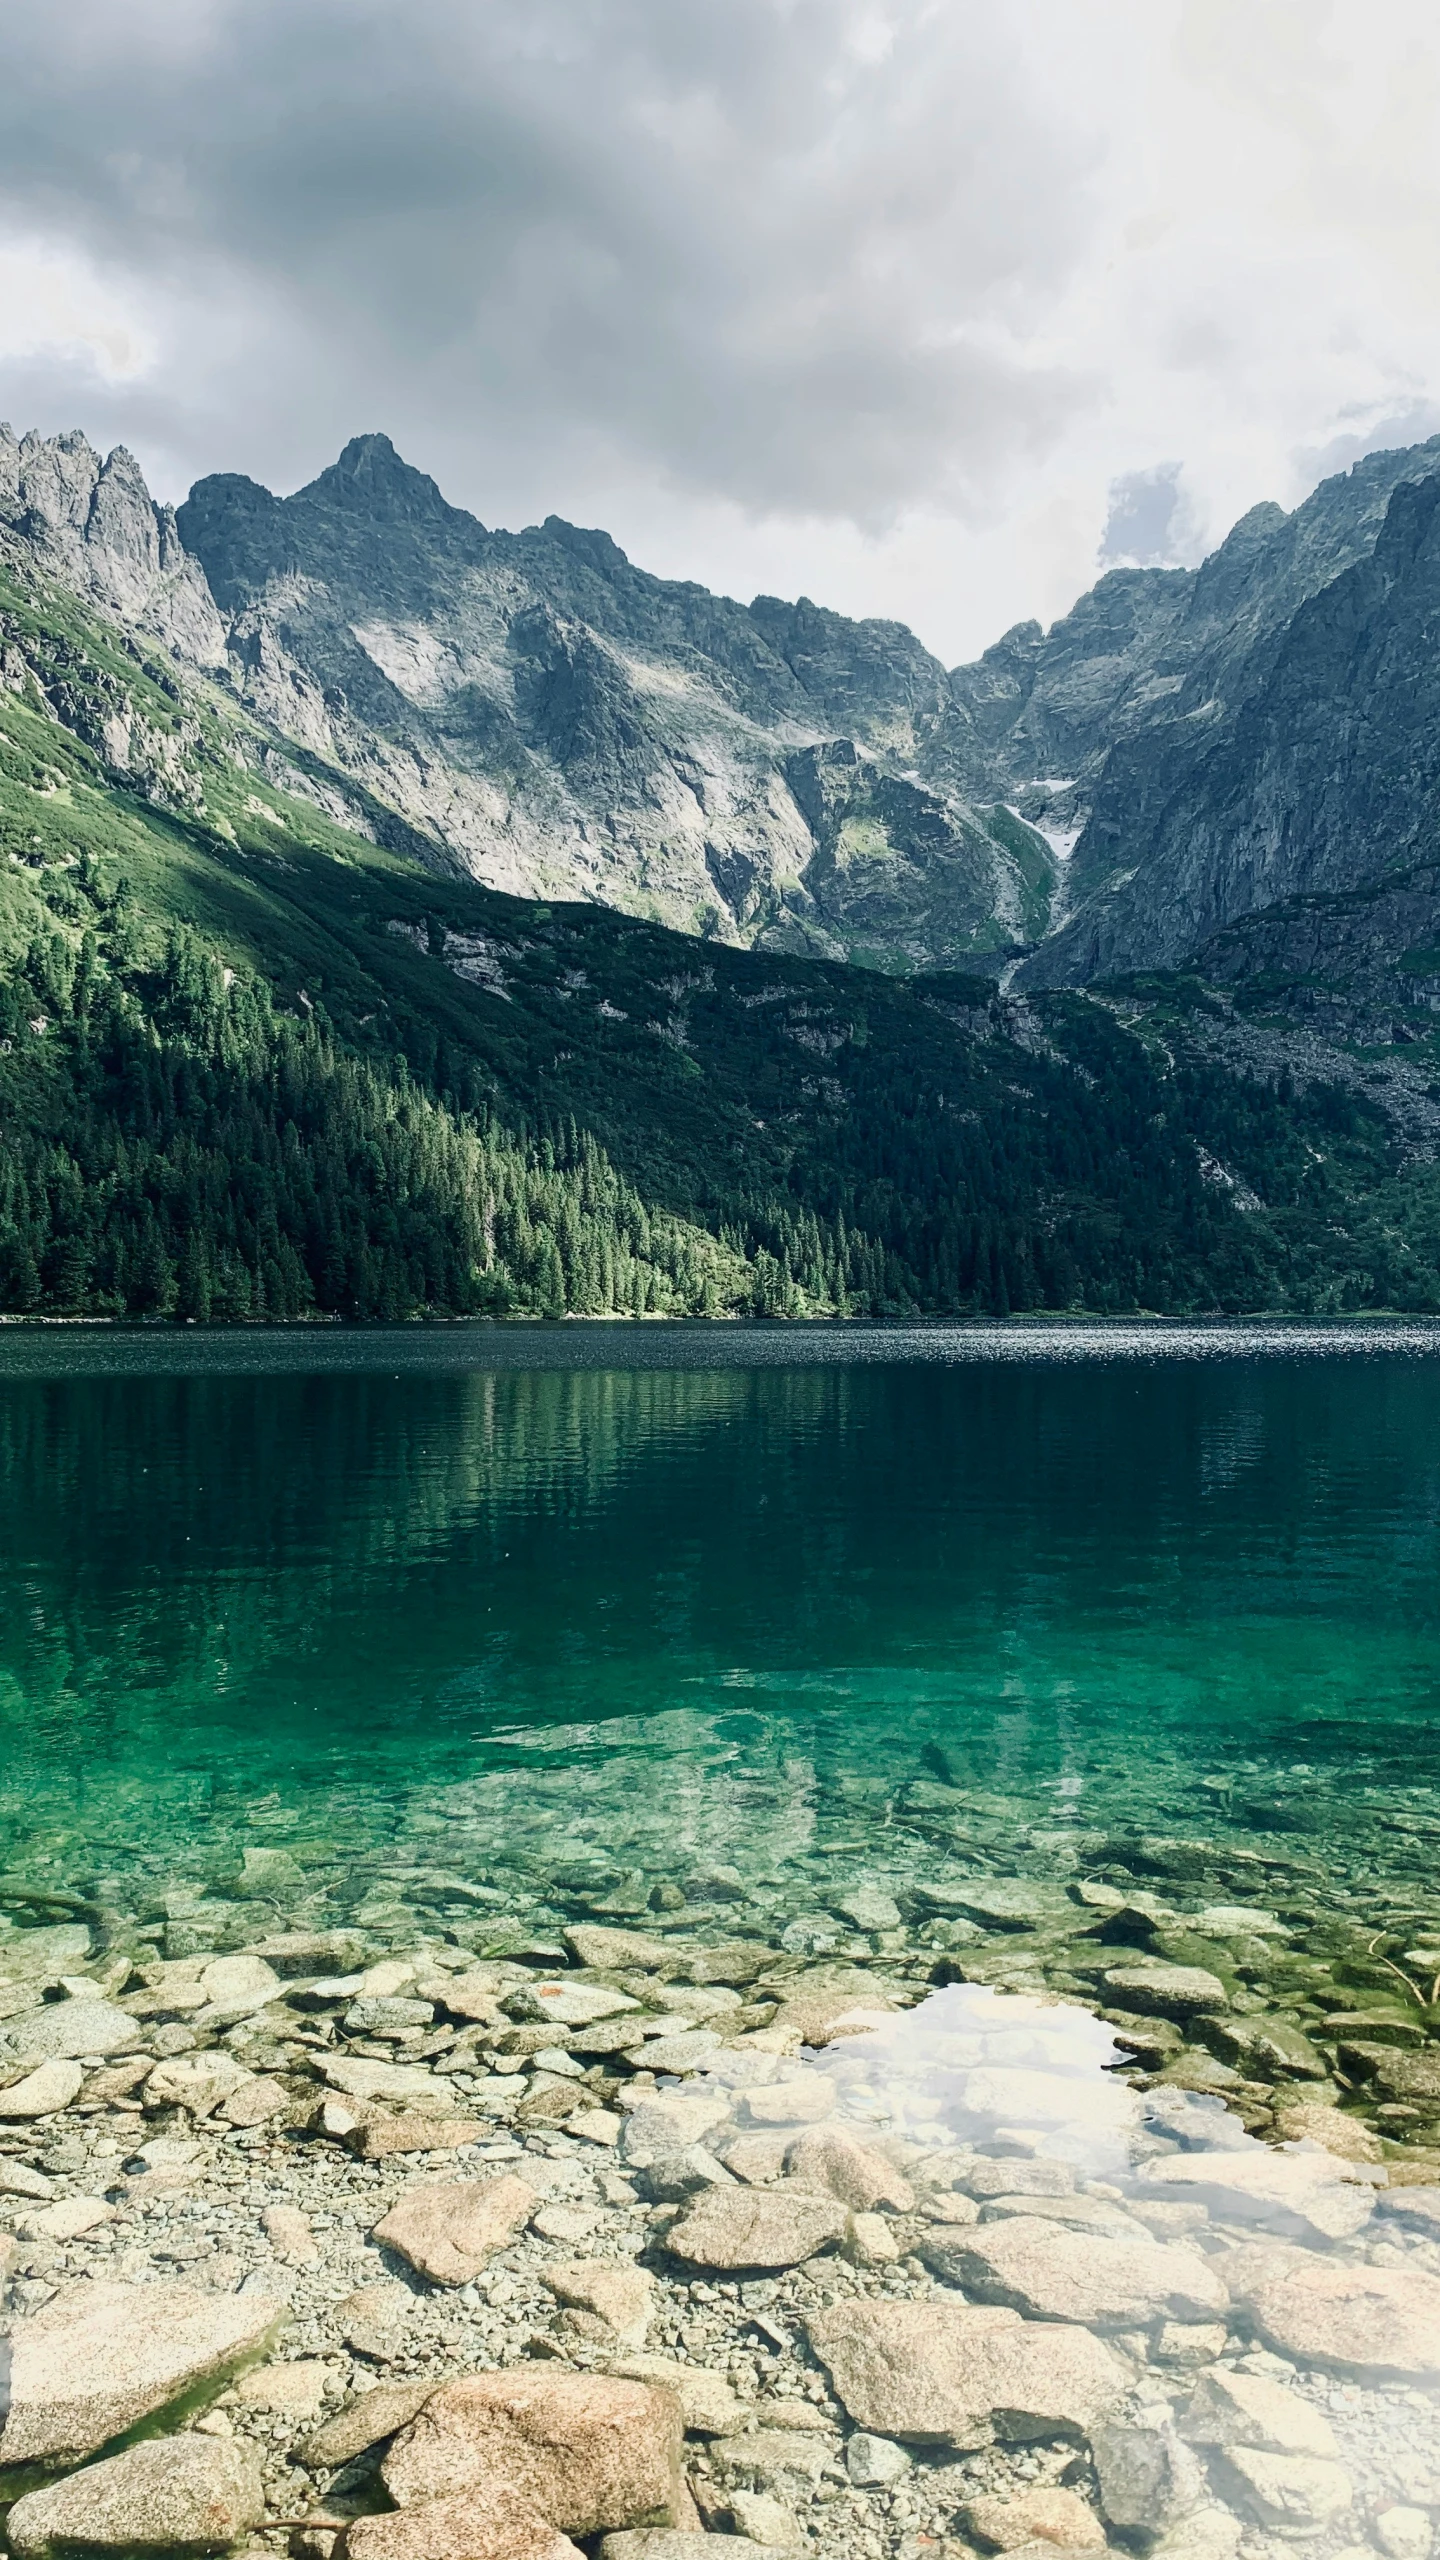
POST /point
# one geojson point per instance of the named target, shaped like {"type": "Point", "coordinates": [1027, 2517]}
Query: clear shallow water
{"type": "Point", "coordinates": [665, 1601]}
{"type": "Point", "coordinates": [928, 1649]}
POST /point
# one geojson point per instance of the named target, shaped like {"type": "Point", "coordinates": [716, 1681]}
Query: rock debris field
{"type": "Point", "coordinates": [415, 2239]}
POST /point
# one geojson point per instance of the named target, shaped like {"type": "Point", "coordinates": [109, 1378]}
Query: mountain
{"type": "Point", "coordinates": [1183, 753]}
{"type": "Point", "coordinates": [1266, 729]}
{"type": "Point", "coordinates": [264, 1055]}
{"type": "Point", "coordinates": [561, 724]}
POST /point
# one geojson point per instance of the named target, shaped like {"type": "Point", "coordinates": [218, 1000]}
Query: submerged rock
{"type": "Point", "coordinates": [1291, 2492]}
{"type": "Point", "coordinates": [1170, 1991]}
{"type": "Point", "coordinates": [1377, 2322]}
{"type": "Point", "coordinates": [1055, 2274]}
{"type": "Point", "coordinates": [199, 2082]}
{"type": "Point", "coordinates": [853, 2171]}
{"type": "Point", "coordinates": [738, 2226]}
{"type": "Point", "coordinates": [180, 2494]}
{"type": "Point", "coordinates": [947, 2373]}
{"type": "Point", "coordinates": [588, 2453]}
{"type": "Point", "coordinates": [1308, 2193]}
{"type": "Point", "coordinates": [450, 2232]}
{"type": "Point", "coordinates": [1266, 2048]}
{"type": "Point", "coordinates": [101, 2357]}
{"type": "Point", "coordinates": [1147, 2478]}
{"type": "Point", "coordinates": [1248, 2409]}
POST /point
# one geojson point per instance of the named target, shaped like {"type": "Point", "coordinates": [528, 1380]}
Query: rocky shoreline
{"type": "Point", "coordinates": [424, 2238]}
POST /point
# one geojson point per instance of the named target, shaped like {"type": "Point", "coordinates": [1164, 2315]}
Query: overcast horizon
{"type": "Point", "coordinates": [916, 313]}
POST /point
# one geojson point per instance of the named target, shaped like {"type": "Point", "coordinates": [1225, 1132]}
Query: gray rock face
{"type": "Point", "coordinates": [1276, 736]}
{"type": "Point", "coordinates": [1232, 747]}
{"type": "Point", "coordinates": [95, 526]}
{"type": "Point", "coordinates": [563, 724]}
{"type": "Point", "coordinates": [183, 2495]}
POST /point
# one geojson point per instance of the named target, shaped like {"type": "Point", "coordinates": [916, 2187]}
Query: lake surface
{"type": "Point", "coordinates": [875, 1687]}
{"type": "Point", "coordinates": [590, 1616]}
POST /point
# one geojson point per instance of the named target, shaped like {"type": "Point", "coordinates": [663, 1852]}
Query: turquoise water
{"type": "Point", "coordinates": [573, 1616]}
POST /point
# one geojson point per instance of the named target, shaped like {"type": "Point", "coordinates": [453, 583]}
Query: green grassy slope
{"type": "Point", "coordinates": [253, 1063]}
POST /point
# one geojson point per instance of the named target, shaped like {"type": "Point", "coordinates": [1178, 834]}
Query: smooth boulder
{"type": "Point", "coordinates": [43, 2092]}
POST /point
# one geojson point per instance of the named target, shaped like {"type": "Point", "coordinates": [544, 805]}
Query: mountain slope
{"type": "Point", "coordinates": [1274, 740]}
{"type": "Point", "coordinates": [256, 1063]}
{"type": "Point", "coordinates": [1185, 754]}
{"type": "Point", "coordinates": [565, 725]}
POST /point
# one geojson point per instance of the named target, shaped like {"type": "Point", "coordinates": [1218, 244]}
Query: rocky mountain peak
{"type": "Point", "coordinates": [370, 477]}
{"type": "Point", "coordinates": [94, 525]}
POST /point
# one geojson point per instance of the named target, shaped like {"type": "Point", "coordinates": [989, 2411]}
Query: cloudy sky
{"type": "Point", "coordinates": [921, 307]}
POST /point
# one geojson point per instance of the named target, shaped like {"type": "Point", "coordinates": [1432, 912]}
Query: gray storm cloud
{"type": "Point", "coordinates": [784, 253]}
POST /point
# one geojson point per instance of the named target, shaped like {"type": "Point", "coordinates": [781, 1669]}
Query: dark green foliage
{"type": "Point", "coordinates": [254, 1067]}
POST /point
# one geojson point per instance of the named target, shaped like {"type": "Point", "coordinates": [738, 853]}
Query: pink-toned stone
{"type": "Point", "coordinates": [588, 2453]}
{"type": "Point", "coordinates": [450, 2232]}
{"type": "Point", "coordinates": [1055, 2516]}
{"type": "Point", "coordinates": [475, 2526]}
{"type": "Point", "coordinates": [859, 2175]}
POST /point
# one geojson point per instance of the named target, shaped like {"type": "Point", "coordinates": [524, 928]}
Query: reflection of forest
{"type": "Point", "coordinates": [1014, 1568]}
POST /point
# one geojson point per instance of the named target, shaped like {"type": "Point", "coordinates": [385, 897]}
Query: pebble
{"type": "Point", "coordinates": [251, 2202]}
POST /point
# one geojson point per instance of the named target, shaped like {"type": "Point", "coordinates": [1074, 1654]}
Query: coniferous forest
{"type": "Point", "coordinates": [256, 1066]}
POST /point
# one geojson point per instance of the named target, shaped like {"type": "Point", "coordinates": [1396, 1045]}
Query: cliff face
{"type": "Point", "coordinates": [1291, 751]}
{"type": "Point", "coordinates": [1185, 752]}
{"type": "Point", "coordinates": [566, 726]}
{"type": "Point", "coordinates": [94, 526]}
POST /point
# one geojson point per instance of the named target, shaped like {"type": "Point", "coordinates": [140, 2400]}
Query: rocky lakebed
{"type": "Point", "coordinates": [935, 2210]}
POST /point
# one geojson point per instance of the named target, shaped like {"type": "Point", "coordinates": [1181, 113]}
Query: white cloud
{"type": "Point", "coordinates": [884, 303]}
{"type": "Point", "coordinates": [55, 306]}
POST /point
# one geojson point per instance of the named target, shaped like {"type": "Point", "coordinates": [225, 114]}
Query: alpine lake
{"type": "Point", "coordinates": [975, 1788]}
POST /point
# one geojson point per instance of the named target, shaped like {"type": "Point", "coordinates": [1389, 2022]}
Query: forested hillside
{"type": "Point", "coordinates": [256, 1064]}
